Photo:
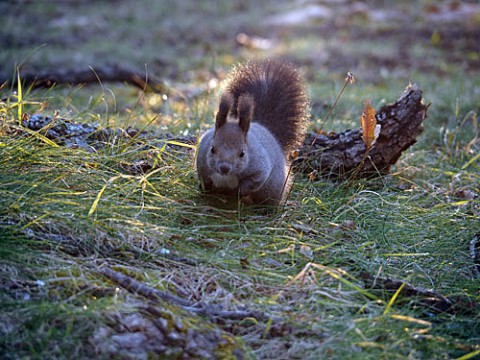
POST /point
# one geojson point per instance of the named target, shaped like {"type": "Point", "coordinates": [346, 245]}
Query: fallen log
{"type": "Point", "coordinates": [97, 75]}
{"type": "Point", "coordinates": [341, 155]}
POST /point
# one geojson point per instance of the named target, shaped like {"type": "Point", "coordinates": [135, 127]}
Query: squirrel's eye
{"type": "Point", "coordinates": [242, 154]}
{"type": "Point", "coordinates": [212, 150]}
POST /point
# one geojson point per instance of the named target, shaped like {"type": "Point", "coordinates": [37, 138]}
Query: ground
{"type": "Point", "coordinates": [103, 257]}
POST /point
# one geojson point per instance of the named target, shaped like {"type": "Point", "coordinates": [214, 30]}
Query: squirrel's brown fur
{"type": "Point", "coordinates": [281, 101]}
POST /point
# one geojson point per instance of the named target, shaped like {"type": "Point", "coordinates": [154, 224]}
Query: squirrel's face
{"type": "Point", "coordinates": [228, 154]}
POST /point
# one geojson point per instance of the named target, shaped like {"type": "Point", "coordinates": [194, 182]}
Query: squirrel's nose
{"type": "Point", "coordinates": [224, 169]}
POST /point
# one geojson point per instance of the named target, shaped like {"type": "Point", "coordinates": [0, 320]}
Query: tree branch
{"type": "Point", "coordinates": [150, 293]}
{"type": "Point", "coordinates": [99, 74]}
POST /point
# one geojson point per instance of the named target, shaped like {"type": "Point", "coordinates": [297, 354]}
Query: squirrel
{"type": "Point", "coordinates": [261, 119]}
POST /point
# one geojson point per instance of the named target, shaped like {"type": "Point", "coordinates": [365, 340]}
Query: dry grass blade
{"type": "Point", "coordinates": [470, 355]}
{"type": "Point", "coordinates": [337, 274]}
{"type": "Point", "coordinates": [39, 136]}
{"type": "Point", "coordinates": [94, 206]}
{"type": "Point", "coordinates": [19, 98]}
{"type": "Point", "coordinates": [393, 298]}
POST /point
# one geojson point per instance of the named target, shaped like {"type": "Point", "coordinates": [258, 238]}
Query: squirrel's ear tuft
{"type": "Point", "coordinates": [224, 108]}
{"type": "Point", "coordinates": [245, 111]}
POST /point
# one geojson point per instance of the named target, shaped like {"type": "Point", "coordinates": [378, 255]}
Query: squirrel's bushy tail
{"type": "Point", "coordinates": [279, 95]}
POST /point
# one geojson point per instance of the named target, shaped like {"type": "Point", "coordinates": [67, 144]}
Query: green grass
{"type": "Point", "coordinates": [66, 213]}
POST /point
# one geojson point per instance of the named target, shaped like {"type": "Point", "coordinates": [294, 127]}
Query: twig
{"type": "Point", "coordinates": [350, 79]}
{"type": "Point", "coordinates": [428, 298]}
{"type": "Point", "coordinates": [211, 311]}
{"type": "Point", "coordinates": [144, 290]}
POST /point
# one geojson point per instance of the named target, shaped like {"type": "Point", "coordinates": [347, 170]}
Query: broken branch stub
{"type": "Point", "coordinates": [339, 155]}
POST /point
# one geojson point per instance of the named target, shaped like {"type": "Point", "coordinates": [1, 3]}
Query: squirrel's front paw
{"type": "Point", "coordinates": [246, 187]}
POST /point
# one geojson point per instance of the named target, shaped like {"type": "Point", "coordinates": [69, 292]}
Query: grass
{"type": "Point", "coordinates": [66, 213]}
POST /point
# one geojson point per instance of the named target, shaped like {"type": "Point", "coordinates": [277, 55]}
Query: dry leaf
{"type": "Point", "coordinates": [369, 125]}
